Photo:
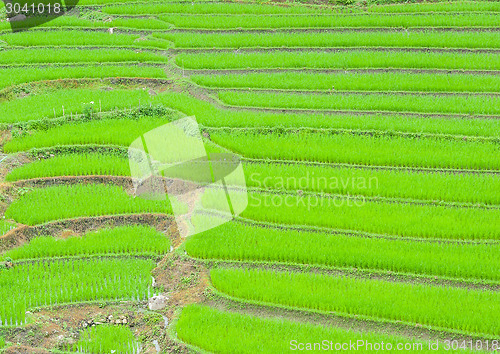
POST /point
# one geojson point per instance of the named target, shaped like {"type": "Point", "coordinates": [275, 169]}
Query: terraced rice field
{"type": "Point", "coordinates": [368, 134]}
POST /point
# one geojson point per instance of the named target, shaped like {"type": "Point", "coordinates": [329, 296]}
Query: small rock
{"type": "Point", "coordinates": [118, 322]}
{"type": "Point", "coordinates": [124, 321]}
{"type": "Point", "coordinates": [157, 302]}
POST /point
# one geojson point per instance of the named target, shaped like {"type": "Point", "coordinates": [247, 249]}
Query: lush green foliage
{"type": "Point", "coordinates": [429, 103]}
{"type": "Point", "coordinates": [224, 332]}
{"type": "Point", "coordinates": [340, 59]}
{"type": "Point", "coordinates": [14, 76]}
{"type": "Point", "coordinates": [130, 240]}
{"type": "Point", "coordinates": [369, 216]}
{"type": "Point", "coordinates": [72, 165]}
{"type": "Point", "coordinates": [44, 283]}
{"type": "Point", "coordinates": [355, 81]}
{"type": "Point", "coordinates": [240, 242]}
{"type": "Point", "coordinates": [61, 55]}
{"type": "Point", "coordinates": [365, 20]}
{"type": "Point", "coordinates": [69, 201]}
{"type": "Point", "coordinates": [451, 6]}
{"type": "Point", "coordinates": [364, 149]}
{"type": "Point", "coordinates": [472, 311]}
{"type": "Point", "coordinates": [432, 39]}
{"type": "Point", "coordinates": [107, 339]}
{"type": "Point", "coordinates": [6, 226]}
{"type": "Point", "coordinates": [391, 183]}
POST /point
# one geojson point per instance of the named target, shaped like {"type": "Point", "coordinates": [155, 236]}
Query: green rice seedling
{"type": "Point", "coordinates": [15, 76]}
{"type": "Point", "coordinates": [336, 21]}
{"type": "Point", "coordinates": [106, 339]}
{"type": "Point", "coordinates": [364, 149]}
{"type": "Point", "coordinates": [2, 343]}
{"type": "Point", "coordinates": [48, 283]}
{"type": "Point", "coordinates": [61, 55]}
{"type": "Point", "coordinates": [72, 165]}
{"type": "Point", "coordinates": [429, 103]}
{"type": "Point", "coordinates": [452, 6]}
{"type": "Point", "coordinates": [222, 332]}
{"type": "Point", "coordinates": [248, 243]}
{"type": "Point", "coordinates": [389, 183]}
{"type": "Point", "coordinates": [70, 201]}
{"type": "Point", "coordinates": [396, 39]}
{"type": "Point", "coordinates": [358, 215]}
{"type": "Point", "coordinates": [208, 115]}
{"type": "Point", "coordinates": [355, 81]}
{"type": "Point", "coordinates": [6, 226]}
{"type": "Point", "coordinates": [63, 102]}
{"type": "Point", "coordinates": [68, 38]}
{"type": "Point", "coordinates": [130, 240]}
{"type": "Point", "coordinates": [434, 306]}
{"type": "Point", "coordinates": [340, 60]}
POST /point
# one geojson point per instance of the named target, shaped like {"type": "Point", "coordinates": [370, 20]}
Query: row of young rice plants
{"type": "Point", "coordinates": [6, 226]}
{"type": "Point", "coordinates": [125, 240]}
{"type": "Point", "coordinates": [68, 38]}
{"type": "Point", "coordinates": [335, 21]}
{"type": "Point", "coordinates": [208, 115]}
{"type": "Point", "coordinates": [63, 56]}
{"type": "Point", "coordinates": [359, 215]}
{"type": "Point", "coordinates": [471, 188]}
{"type": "Point", "coordinates": [220, 332]}
{"type": "Point", "coordinates": [62, 102]}
{"type": "Point", "coordinates": [356, 58]}
{"type": "Point", "coordinates": [72, 165]}
{"type": "Point", "coordinates": [390, 183]}
{"type": "Point", "coordinates": [355, 81]}
{"type": "Point", "coordinates": [397, 39]}
{"type": "Point", "coordinates": [236, 241]}
{"type": "Point", "coordinates": [47, 283]}
{"type": "Point", "coordinates": [365, 149]}
{"type": "Point", "coordinates": [80, 200]}
{"type": "Point", "coordinates": [106, 339]}
{"type": "Point", "coordinates": [384, 102]}
{"type": "Point", "coordinates": [15, 76]}
{"type": "Point", "coordinates": [464, 310]}
{"type": "Point", "coordinates": [450, 6]}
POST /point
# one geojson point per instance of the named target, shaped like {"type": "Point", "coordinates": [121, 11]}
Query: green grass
{"type": "Point", "coordinates": [355, 81]}
{"type": "Point", "coordinates": [15, 76]}
{"type": "Point", "coordinates": [363, 149]}
{"type": "Point", "coordinates": [359, 21]}
{"type": "Point", "coordinates": [382, 102]}
{"type": "Point", "coordinates": [106, 339]}
{"type": "Point", "coordinates": [239, 242]}
{"type": "Point", "coordinates": [68, 38]}
{"type": "Point", "coordinates": [340, 60]}
{"type": "Point", "coordinates": [470, 311]}
{"type": "Point", "coordinates": [6, 226]}
{"type": "Point", "coordinates": [46, 283]}
{"type": "Point", "coordinates": [417, 39]}
{"type": "Point", "coordinates": [369, 216]}
{"type": "Point", "coordinates": [391, 183]}
{"type": "Point", "coordinates": [126, 240]}
{"type": "Point", "coordinates": [72, 165]}
{"type": "Point", "coordinates": [42, 205]}
{"type": "Point", "coordinates": [61, 55]}
{"type": "Point", "coordinates": [223, 332]}
{"type": "Point", "coordinates": [449, 6]}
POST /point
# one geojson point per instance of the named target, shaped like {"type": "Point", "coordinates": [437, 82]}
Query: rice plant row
{"type": "Point", "coordinates": [45, 283]}
{"type": "Point", "coordinates": [351, 81]}
{"type": "Point", "coordinates": [106, 339]}
{"type": "Point", "coordinates": [452, 6]}
{"type": "Point", "coordinates": [363, 149]}
{"type": "Point", "coordinates": [338, 21]}
{"type": "Point", "coordinates": [219, 331]}
{"type": "Point", "coordinates": [242, 242]}
{"type": "Point", "coordinates": [68, 38]}
{"type": "Point", "coordinates": [354, 58]}
{"type": "Point", "coordinates": [359, 215]}
{"type": "Point", "coordinates": [66, 56]}
{"type": "Point", "coordinates": [390, 102]}
{"type": "Point", "coordinates": [129, 240]}
{"type": "Point", "coordinates": [349, 39]}
{"type": "Point", "coordinates": [69, 201]}
{"type": "Point", "coordinates": [469, 311]}
{"type": "Point", "coordinates": [15, 76]}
